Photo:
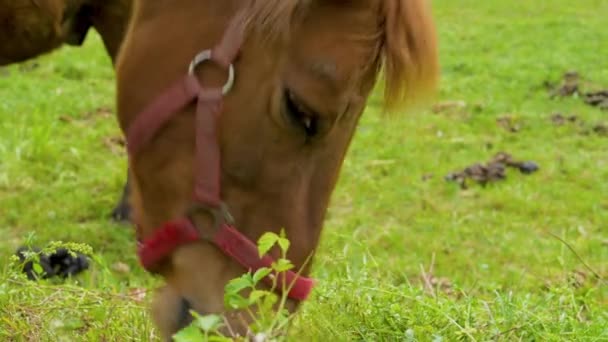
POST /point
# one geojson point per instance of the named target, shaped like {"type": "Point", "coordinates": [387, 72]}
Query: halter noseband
{"type": "Point", "coordinates": [209, 101]}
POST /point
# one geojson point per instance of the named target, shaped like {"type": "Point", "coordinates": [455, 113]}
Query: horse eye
{"type": "Point", "coordinates": [301, 115]}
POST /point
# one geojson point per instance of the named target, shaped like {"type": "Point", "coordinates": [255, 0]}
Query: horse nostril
{"type": "Point", "coordinates": [184, 318]}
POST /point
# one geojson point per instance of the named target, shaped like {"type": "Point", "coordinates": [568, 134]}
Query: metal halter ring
{"type": "Point", "coordinates": [221, 215]}
{"type": "Point", "coordinates": [205, 55]}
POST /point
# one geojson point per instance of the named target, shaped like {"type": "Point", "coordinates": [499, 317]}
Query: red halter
{"type": "Point", "coordinates": [172, 235]}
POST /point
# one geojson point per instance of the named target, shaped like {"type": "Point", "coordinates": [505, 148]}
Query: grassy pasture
{"type": "Point", "coordinates": [405, 255]}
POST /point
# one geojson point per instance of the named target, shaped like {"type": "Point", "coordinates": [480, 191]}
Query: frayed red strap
{"type": "Point", "coordinates": [230, 241]}
{"type": "Point", "coordinates": [164, 241]}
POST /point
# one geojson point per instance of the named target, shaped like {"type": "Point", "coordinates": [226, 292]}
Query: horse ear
{"type": "Point", "coordinates": [411, 63]}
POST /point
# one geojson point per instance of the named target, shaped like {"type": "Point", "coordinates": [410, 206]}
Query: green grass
{"type": "Point", "coordinates": [393, 218]}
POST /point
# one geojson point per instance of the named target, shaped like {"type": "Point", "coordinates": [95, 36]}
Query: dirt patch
{"type": "Point", "coordinates": [456, 109]}
{"type": "Point", "coordinates": [115, 144]}
{"type": "Point", "coordinates": [578, 279]}
{"type": "Point", "coordinates": [492, 171]}
{"type": "Point", "coordinates": [87, 118]}
{"type": "Point", "coordinates": [433, 285]}
{"type": "Point", "coordinates": [28, 66]}
{"type": "Point", "coordinates": [597, 99]}
{"type": "Point", "coordinates": [570, 85]}
{"type": "Point", "coordinates": [509, 122]}
{"type": "Point", "coordinates": [23, 67]}
{"type": "Point", "coordinates": [573, 85]}
{"type": "Point", "coordinates": [448, 107]}
{"type": "Point", "coordinates": [559, 119]}
{"type": "Point", "coordinates": [575, 279]}
{"type": "Point", "coordinates": [103, 112]}
{"type": "Point", "coordinates": [600, 129]}
{"type": "Point", "coordinates": [427, 176]}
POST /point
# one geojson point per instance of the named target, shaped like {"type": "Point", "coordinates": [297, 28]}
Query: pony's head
{"type": "Point", "coordinates": [303, 75]}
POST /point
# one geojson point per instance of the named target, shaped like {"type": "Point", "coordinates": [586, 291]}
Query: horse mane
{"type": "Point", "coordinates": [409, 50]}
{"type": "Point", "coordinates": [272, 19]}
{"type": "Point", "coordinates": [407, 42]}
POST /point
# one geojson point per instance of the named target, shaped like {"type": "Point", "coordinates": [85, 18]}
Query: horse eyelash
{"type": "Point", "coordinates": [301, 115]}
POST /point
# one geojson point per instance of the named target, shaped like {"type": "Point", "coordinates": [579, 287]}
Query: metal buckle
{"type": "Point", "coordinates": [204, 56]}
{"type": "Point", "coordinates": [220, 214]}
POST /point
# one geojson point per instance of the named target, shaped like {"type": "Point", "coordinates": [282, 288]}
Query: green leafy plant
{"type": "Point", "coordinates": [271, 315]}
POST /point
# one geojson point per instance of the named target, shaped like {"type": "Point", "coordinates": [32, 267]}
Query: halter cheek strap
{"type": "Point", "coordinates": [209, 101]}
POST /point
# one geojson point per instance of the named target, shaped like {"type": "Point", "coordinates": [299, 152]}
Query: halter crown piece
{"type": "Point", "coordinates": [170, 236]}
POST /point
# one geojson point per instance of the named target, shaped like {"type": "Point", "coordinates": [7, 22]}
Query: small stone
{"type": "Point", "coordinates": [528, 167]}
{"type": "Point", "coordinates": [121, 267]}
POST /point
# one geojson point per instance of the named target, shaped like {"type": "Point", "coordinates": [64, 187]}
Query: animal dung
{"type": "Point", "coordinates": [492, 171]}
{"type": "Point", "coordinates": [62, 263]}
{"type": "Point", "coordinates": [597, 99]}
{"type": "Point", "coordinates": [572, 85]}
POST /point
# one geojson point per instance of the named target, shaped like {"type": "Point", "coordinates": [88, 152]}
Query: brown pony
{"type": "Point", "coordinates": [303, 75]}
{"type": "Point", "coordinates": [30, 28]}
